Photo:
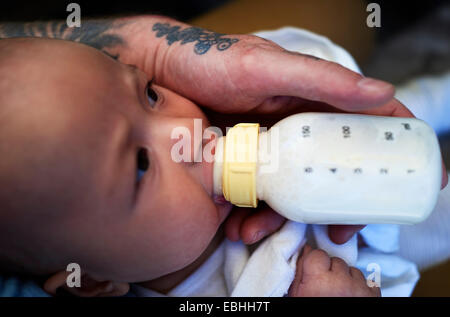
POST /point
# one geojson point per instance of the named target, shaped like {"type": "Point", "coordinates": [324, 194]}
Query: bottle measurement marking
{"type": "Point", "coordinates": [389, 136]}
{"type": "Point", "coordinates": [346, 131]}
{"type": "Point", "coordinates": [407, 126]}
{"type": "Point", "coordinates": [306, 131]}
{"type": "Point", "coordinates": [357, 170]}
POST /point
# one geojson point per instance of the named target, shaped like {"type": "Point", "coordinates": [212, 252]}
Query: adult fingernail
{"type": "Point", "coordinates": [258, 236]}
{"type": "Point", "coordinates": [109, 287]}
{"type": "Point", "coordinates": [371, 84]}
{"type": "Point", "coordinates": [346, 236]}
{"type": "Point", "coordinates": [339, 237]}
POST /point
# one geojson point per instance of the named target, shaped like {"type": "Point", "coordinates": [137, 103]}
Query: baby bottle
{"type": "Point", "coordinates": [330, 168]}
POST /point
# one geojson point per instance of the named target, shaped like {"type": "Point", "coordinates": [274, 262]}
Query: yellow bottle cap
{"type": "Point", "coordinates": [239, 166]}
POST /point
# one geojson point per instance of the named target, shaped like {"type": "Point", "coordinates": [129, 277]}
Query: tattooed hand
{"type": "Point", "coordinates": [237, 73]}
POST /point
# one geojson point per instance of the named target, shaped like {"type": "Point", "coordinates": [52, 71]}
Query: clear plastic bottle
{"type": "Point", "coordinates": [333, 168]}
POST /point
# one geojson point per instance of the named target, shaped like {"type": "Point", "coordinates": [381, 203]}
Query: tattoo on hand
{"type": "Point", "coordinates": [92, 33]}
{"type": "Point", "coordinates": [205, 39]}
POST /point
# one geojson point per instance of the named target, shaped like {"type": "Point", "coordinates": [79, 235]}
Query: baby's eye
{"type": "Point", "coordinates": [152, 96]}
{"type": "Point", "coordinates": [142, 163]}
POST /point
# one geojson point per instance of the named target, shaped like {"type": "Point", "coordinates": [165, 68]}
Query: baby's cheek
{"type": "Point", "coordinates": [198, 206]}
{"type": "Point", "coordinates": [178, 221]}
{"type": "Point", "coordinates": [195, 217]}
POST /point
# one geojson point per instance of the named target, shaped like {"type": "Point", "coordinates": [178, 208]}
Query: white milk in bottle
{"type": "Point", "coordinates": [330, 168]}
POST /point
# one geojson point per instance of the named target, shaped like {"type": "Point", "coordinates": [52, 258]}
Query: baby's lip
{"type": "Point", "coordinates": [223, 206]}
{"type": "Point", "coordinates": [220, 199]}
{"type": "Point", "coordinates": [208, 165]}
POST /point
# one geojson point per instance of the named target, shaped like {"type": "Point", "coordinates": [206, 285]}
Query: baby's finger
{"type": "Point", "coordinates": [234, 222]}
{"type": "Point", "coordinates": [259, 224]}
{"type": "Point", "coordinates": [293, 289]}
{"type": "Point", "coordinates": [315, 263]}
{"type": "Point", "coordinates": [339, 265]}
{"type": "Point", "coordinates": [376, 291]}
{"type": "Point", "coordinates": [356, 274]}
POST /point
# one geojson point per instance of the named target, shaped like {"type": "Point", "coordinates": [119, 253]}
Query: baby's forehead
{"type": "Point", "coordinates": [33, 68]}
{"type": "Point", "coordinates": [65, 93]}
{"type": "Point", "coordinates": [32, 54]}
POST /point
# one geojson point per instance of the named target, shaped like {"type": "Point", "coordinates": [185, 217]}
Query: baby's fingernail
{"type": "Point", "coordinates": [258, 236]}
{"type": "Point", "coordinates": [371, 84]}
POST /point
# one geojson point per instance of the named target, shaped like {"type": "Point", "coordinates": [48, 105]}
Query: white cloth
{"type": "Point", "coordinates": [428, 243]}
{"type": "Point", "coordinates": [234, 271]}
{"type": "Point", "coordinates": [428, 98]}
{"type": "Point", "coordinates": [270, 269]}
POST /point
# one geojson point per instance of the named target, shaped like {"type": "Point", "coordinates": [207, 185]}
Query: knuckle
{"type": "Point", "coordinates": [251, 52]}
{"type": "Point", "coordinates": [249, 58]}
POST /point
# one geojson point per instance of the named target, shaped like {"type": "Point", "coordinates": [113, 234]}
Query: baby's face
{"type": "Point", "coordinates": [84, 125]}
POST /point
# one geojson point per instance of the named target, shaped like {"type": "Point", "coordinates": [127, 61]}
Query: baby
{"type": "Point", "coordinates": [76, 127]}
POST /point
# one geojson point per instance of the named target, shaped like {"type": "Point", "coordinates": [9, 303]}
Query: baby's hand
{"type": "Point", "coordinates": [319, 275]}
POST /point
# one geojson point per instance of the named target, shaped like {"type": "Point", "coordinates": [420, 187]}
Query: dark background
{"type": "Point", "coordinates": [396, 15]}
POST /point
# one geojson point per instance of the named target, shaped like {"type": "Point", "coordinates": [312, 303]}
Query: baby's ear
{"type": "Point", "coordinates": [88, 286]}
